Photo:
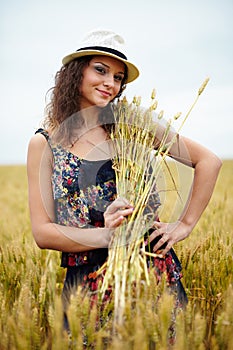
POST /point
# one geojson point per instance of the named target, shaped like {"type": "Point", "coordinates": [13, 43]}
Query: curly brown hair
{"type": "Point", "coordinates": [65, 99]}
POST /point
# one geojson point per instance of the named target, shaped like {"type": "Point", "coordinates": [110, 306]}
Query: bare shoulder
{"type": "Point", "coordinates": [37, 140]}
{"type": "Point", "coordinates": [38, 148]}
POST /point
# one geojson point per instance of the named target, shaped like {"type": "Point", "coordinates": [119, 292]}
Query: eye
{"type": "Point", "coordinates": [118, 77]}
{"type": "Point", "coordinates": [100, 69]}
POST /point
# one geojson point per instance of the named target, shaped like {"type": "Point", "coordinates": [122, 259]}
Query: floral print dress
{"type": "Point", "coordinates": [82, 191]}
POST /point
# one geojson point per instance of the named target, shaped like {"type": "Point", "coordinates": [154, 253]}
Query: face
{"type": "Point", "coordinates": [102, 80]}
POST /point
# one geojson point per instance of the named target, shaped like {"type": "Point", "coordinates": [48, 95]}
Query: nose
{"type": "Point", "coordinates": [109, 80]}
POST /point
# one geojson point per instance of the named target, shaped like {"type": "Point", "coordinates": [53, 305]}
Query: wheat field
{"type": "Point", "coordinates": [31, 283]}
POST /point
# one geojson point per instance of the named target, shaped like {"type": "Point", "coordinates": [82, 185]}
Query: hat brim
{"type": "Point", "coordinates": [133, 71]}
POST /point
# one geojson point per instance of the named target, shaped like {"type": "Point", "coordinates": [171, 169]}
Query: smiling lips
{"type": "Point", "coordinates": [104, 93]}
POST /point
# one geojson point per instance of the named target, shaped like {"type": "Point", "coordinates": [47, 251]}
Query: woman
{"type": "Point", "coordinates": [72, 193]}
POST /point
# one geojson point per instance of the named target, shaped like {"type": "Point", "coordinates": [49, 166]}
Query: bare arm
{"type": "Point", "coordinates": [206, 168]}
{"type": "Point", "coordinates": [46, 232]}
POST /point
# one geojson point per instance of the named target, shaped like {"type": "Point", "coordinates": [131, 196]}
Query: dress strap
{"type": "Point", "coordinates": [42, 132]}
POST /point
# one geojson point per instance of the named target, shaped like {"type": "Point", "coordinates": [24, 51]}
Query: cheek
{"type": "Point", "coordinates": [117, 89]}
{"type": "Point", "coordinates": [88, 79]}
{"type": "Point", "coordinates": [86, 85]}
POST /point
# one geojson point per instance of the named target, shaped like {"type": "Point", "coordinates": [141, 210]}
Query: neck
{"type": "Point", "coordinates": [90, 117]}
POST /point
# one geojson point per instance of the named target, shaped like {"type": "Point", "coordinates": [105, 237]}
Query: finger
{"type": "Point", "coordinates": [116, 223]}
{"type": "Point", "coordinates": [117, 204]}
{"type": "Point", "coordinates": [113, 216]}
{"type": "Point", "coordinates": [156, 233]}
{"type": "Point", "coordinates": [160, 226]}
{"type": "Point", "coordinates": [124, 212]}
{"type": "Point", "coordinates": [168, 247]}
{"type": "Point", "coordinates": [160, 243]}
{"type": "Point", "coordinates": [157, 224]}
{"type": "Point", "coordinates": [122, 202]}
{"type": "Point", "coordinates": [114, 220]}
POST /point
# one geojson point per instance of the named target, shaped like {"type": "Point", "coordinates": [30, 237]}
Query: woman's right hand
{"type": "Point", "coordinates": [116, 212]}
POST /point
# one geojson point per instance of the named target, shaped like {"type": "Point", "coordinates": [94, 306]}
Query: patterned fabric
{"type": "Point", "coordinates": [82, 191]}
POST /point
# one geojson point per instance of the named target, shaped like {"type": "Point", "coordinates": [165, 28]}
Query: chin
{"type": "Point", "coordinates": [102, 104]}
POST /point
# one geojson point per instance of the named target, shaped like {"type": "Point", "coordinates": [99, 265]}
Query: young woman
{"type": "Point", "coordinates": [73, 202]}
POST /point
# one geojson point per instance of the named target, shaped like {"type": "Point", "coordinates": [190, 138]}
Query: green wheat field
{"type": "Point", "coordinates": [31, 283]}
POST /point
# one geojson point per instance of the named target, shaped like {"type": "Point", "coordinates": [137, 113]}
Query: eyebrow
{"type": "Point", "coordinates": [104, 64]}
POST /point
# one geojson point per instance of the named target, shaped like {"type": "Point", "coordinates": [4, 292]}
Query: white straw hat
{"type": "Point", "coordinates": [104, 43]}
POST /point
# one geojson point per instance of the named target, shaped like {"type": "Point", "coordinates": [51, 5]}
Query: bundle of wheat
{"type": "Point", "coordinates": [141, 144]}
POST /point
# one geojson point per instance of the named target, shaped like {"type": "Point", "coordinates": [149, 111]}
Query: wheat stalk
{"type": "Point", "coordinates": [137, 171]}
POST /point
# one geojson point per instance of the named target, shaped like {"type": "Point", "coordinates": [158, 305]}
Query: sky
{"type": "Point", "coordinates": [176, 44]}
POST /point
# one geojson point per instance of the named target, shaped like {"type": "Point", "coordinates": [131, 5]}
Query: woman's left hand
{"type": "Point", "coordinates": [171, 233]}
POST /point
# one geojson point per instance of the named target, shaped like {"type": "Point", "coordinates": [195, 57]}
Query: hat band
{"type": "Point", "coordinates": [105, 49]}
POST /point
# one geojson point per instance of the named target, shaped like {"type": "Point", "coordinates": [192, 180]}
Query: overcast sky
{"type": "Point", "coordinates": [175, 43]}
